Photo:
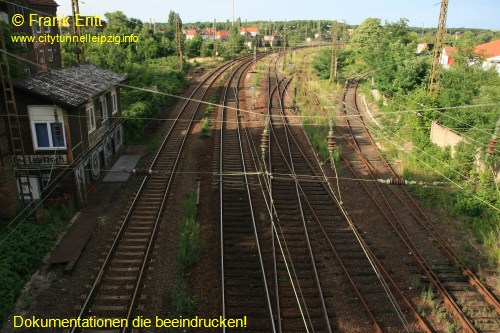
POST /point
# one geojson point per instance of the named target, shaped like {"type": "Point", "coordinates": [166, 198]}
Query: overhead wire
{"type": "Point", "coordinates": [375, 268]}
{"type": "Point", "coordinates": [430, 167]}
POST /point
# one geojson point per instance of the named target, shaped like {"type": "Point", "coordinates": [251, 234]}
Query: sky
{"type": "Point", "coordinates": [461, 13]}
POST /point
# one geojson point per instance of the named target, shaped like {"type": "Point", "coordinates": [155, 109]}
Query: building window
{"type": "Point", "coordinates": [48, 135]}
{"type": "Point", "coordinates": [114, 102]}
{"type": "Point", "coordinates": [104, 108]}
{"type": "Point", "coordinates": [18, 10]}
{"type": "Point", "coordinates": [90, 117]}
{"type": "Point", "coordinates": [37, 29]}
{"type": "Point", "coordinates": [42, 56]}
{"type": "Point", "coordinates": [50, 54]}
{"type": "Point", "coordinates": [47, 29]}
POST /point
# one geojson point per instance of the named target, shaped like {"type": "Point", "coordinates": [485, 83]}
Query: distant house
{"type": "Point", "coordinates": [424, 47]}
{"type": "Point", "coordinates": [70, 120]}
{"type": "Point", "coordinates": [252, 31]}
{"type": "Point", "coordinates": [222, 35]}
{"type": "Point", "coordinates": [447, 55]}
{"type": "Point", "coordinates": [273, 39]}
{"type": "Point", "coordinates": [490, 53]}
{"type": "Point", "coordinates": [190, 34]}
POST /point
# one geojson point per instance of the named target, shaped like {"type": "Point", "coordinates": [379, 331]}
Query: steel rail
{"type": "Point", "coordinates": [365, 246]}
{"type": "Point", "coordinates": [242, 68]}
{"type": "Point", "coordinates": [91, 294]}
{"type": "Point", "coordinates": [404, 236]}
{"type": "Point", "coordinates": [433, 230]}
{"type": "Point", "coordinates": [300, 205]}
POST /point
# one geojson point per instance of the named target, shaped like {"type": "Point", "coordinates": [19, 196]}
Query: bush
{"type": "Point", "coordinates": [206, 127]}
{"type": "Point", "coordinates": [22, 253]}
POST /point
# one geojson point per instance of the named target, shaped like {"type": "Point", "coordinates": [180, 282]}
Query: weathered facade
{"type": "Point", "coordinates": [46, 55]}
{"type": "Point", "coordinates": [72, 121]}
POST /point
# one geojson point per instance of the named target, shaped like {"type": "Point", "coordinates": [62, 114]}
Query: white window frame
{"type": "Point", "coordinates": [90, 115]}
{"type": "Point", "coordinates": [104, 108]}
{"type": "Point", "coordinates": [114, 102]}
{"type": "Point", "coordinates": [44, 114]}
{"type": "Point", "coordinates": [47, 29]}
{"type": "Point", "coordinates": [42, 56]}
{"type": "Point", "coordinates": [50, 54]}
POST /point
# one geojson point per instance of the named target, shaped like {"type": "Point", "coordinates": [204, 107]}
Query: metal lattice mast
{"type": "Point", "coordinates": [438, 47]}
{"type": "Point", "coordinates": [333, 65]}
{"type": "Point", "coordinates": [215, 42]}
{"type": "Point", "coordinates": [14, 127]}
{"type": "Point", "coordinates": [80, 50]}
{"type": "Point", "coordinates": [344, 33]}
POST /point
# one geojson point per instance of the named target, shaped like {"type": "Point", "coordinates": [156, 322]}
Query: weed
{"type": "Point", "coordinates": [188, 255]}
{"type": "Point", "coordinates": [206, 128]}
{"type": "Point", "coordinates": [182, 303]}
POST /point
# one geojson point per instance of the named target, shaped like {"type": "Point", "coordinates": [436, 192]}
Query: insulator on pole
{"type": "Point", "coordinates": [491, 147]}
{"type": "Point", "coordinates": [141, 171]}
{"type": "Point", "coordinates": [330, 140]}
{"type": "Point", "coordinates": [264, 140]}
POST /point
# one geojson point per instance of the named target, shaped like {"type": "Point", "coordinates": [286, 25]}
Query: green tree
{"type": "Point", "coordinates": [192, 48]}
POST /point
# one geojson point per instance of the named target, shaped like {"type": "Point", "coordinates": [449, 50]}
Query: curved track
{"type": "Point", "coordinates": [463, 293]}
{"type": "Point", "coordinates": [320, 241]}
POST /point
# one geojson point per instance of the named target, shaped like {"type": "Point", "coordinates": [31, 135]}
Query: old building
{"type": "Point", "coordinates": [487, 54]}
{"type": "Point", "coordinates": [251, 31]}
{"type": "Point", "coordinates": [46, 55]}
{"type": "Point", "coordinates": [71, 124]}
{"type": "Point", "coordinates": [190, 34]}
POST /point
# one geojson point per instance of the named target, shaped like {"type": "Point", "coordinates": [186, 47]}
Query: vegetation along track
{"type": "Point", "coordinates": [320, 243]}
{"type": "Point", "coordinates": [464, 294]}
{"type": "Point", "coordinates": [116, 289]}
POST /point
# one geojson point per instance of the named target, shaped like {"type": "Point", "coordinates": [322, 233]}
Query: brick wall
{"type": "Point", "coordinates": [8, 194]}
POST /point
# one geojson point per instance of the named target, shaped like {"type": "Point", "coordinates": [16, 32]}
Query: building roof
{"type": "Point", "coordinates": [223, 33]}
{"type": "Point", "coordinates": [191, 32]}
{"type": "Point", "coordinates": [450, 50]}
{"type": "Point", "coordinates": [488, 50]}
{"type": "Point", "coordinates": [71, 86]}
{"type": "Point", "coordinates": [250, 30]}
{"type": "Point", "coordinates": [43, 3]}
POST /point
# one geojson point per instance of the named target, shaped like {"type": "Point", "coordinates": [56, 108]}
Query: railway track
{"type": "Point", "coordinates": [464, 294]}
{"type": "Point", "coordinates": [115, 292]}
{"type": "Point", "coordinates": [318, 238]}
{"type": "Point", "coordinates": [245, 289]}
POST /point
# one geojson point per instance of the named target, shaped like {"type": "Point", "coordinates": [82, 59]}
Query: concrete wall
{"type": "Point", "coordinates": [444, 137]}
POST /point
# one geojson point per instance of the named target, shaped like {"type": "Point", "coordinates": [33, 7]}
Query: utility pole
{"type": "Point", "coordinates": [80, 50]}
{"type": "Point", "coordinates": [333, 66]}
{"type": "Point", "coordinates": [284, 45]}
{"type": "Point", "coordinates": [344, 33]}
{"type": "Point", "coordinates": [178, 36]}
{"type": "Point", "coordinates": [319, 34]}
{"type": "Point", "coordinates": [246, 36]}
{"type": "Point", "coordinates": [215, 44]}
{"type": "Point", "coordinates": [438, 47]}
